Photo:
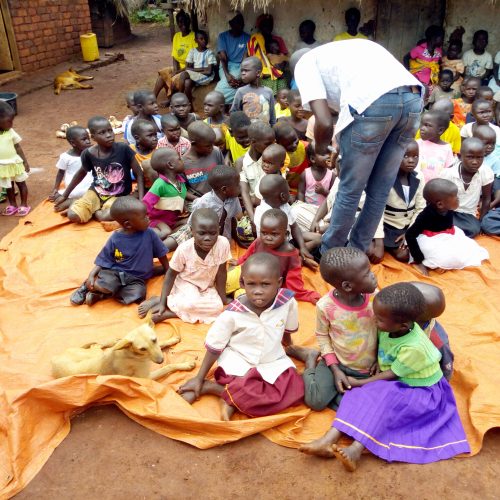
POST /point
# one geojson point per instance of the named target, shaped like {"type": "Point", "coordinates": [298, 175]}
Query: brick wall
{"type": "Point", "coordinates": [48, 31]}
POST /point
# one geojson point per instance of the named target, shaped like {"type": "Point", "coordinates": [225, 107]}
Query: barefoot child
{"type": "Point", "coordinates": [237, 139]}
{"type": "Point", "coordinates": [147, 107]}
{"type": "Point", "coordinates": [474, 182]}
{"type": "Point", "coordinates": [165, 200]}
{"type": "Point", "coordinates": [407, 412]}
{"type": "Point", "coordinates": [146, 141]}
{"type": "Point", "coordinates": [462, 105]}
{"type": "Point", "coordinates": [126, 261]}
{"type": "Point", "coordinates": [274, 240]}
{"type": "Point", "coordinates": [111, 164]}
{"type": "Point", "coordinates": [281, 108]}
{"type": "Point", "coordinates": [14, 166]}
{"type": "Point", "coordinates": [404, 204]}
{"type": "Point", "coordinates": [444, 90]}
{"type": "Point", "coordinates": [433, 240]}
{"type": "Point", "coordinates": [435, 154]}
{"type": "Point", "coordinates": [173, 138]}
{"type": "Point", "coordinates": [194, 286]}
{"type": "Point", "coordinates": [69, 163]}
{"type": "Point", "coordinates": [254, 375]}
{"type": "Point", "coordinates": [345, 328]}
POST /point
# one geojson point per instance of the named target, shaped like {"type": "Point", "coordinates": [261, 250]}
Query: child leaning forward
{"type": "Point", "coordinates": [254, 374]}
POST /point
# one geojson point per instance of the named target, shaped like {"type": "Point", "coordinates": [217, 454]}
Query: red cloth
{"type": "Point", "coordinates": [255, 397]}
{"type": "Point", "coordinates": [290, 270]}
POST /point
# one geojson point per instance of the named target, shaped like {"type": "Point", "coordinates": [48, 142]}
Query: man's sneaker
{"type": "Point", "coordinates": [78, 296]}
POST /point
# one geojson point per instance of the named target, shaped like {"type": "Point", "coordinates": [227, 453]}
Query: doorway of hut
{"type": "Point", "coordinates": [8, 54]}
{"type": "Point", "coordinates": [402, 23]}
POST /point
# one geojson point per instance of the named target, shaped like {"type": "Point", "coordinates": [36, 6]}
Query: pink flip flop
{"type": "Point", "coordinates": [22, 211]}
{"type": "Point", "coordinates": [10, 210]}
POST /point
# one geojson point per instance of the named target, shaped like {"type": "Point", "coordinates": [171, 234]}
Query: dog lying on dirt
{"type": "Point", "coordinates": [70, 80]}
{"type": "Point", "coordinates": [129, 356]}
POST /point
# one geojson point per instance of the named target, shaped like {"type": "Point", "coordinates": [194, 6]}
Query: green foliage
{"type": "Point", "coordinates": [149, 16]}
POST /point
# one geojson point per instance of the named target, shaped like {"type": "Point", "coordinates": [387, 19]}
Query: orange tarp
{"type": "Point", "coordinates": [45, 258]}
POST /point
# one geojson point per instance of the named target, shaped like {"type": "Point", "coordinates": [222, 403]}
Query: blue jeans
{"type": "Point", "coordinates": [372, 148]}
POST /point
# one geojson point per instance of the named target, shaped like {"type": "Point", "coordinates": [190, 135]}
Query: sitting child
{"type": "Point", "coordinates": [220, 142]}
{"type": "Point", "coordinates": [200, 66]}
{"type": "Point", "coordinates": [68, 165]}
{"type": "Point", "coordinates": [435, 304]}
{"type": "Point", "coordinates": [254, 375]}
{"type": "Point", "coordinates": [435, 154]}
{"type": "Point", "coordinates": [482, 111]}
{"type": "Point", "coordinates": [281, 108]}
{"type": "Point", "coordinates": [478, 61]}
{"type": "Point", "coordinates": [273, 161]}
{"type": "Point", "coordinates": [126, 261]}
{"type": "Point", "coordinates": [454, 63]}
{"type": "Point", "coordinates": [274, 240]}
{"type": "Point", "coordinates": [486, 93]}
{"type": "Point", "coordinates": [296, 119]}
{"type": "Point", "coordinates": [275, 194]}
{"type": "Point", "coordinates": [111, 164]}
{"type": "Point", "coordinates": [250, 166]}
{"type": "Point", "coordinates": [297, 154]}
{"type": "Point", "coordinates": [173, 138]}
{"type": "Point", "coordinates": [213, 107]}
{"type": "Point", "coordinates": [194, 286]}
{"type": "Point", "coordinates": [165, 199]}
{"type": "Point", "coordinates": [433, 240]}
{"type": "Point", "coordinates": [463, 104]}
{"type": "Point", "coordinates": [444, 90]}
{"type": "Point", "coordinates": [256, 101]}
{"type": "Point", "coordinates": [129, 99]}
{"type": "Point", "coordinates": [315, 183]}
{"type": "Point", "coordinates": [237, 139]}
{"type": "Point", "coordinates": [408, 403]}
{"type": "Point", "coordinates": [405, 202]}
{"type": "Point", "coordinates": [345, 329]}
{"type": "Point", "coordinates": [146, 140]}
{"type": "Point", "coordinates": [147, 107]}
{"type": "Point", "coordinates": [181, 109]}
{"type": "Point", "coordinates": [474, 182]}
{"type": "Point", "coordinates": [222, 199]}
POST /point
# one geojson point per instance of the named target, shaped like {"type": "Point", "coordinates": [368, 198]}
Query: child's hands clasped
{"type": "Point", "coordinates": [341, 379]}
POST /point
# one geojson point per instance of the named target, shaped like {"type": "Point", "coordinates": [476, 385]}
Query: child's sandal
{"type": "Point", "coordinates": [10, 210]}
{"type": "Point", "coordinates": [23, 211]}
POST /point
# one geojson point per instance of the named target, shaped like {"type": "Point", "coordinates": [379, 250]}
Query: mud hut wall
{"type": "Point", "coordinates": [47, 32]}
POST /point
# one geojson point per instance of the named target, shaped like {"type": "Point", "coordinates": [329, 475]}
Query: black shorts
{"type": "Point", "coordinates": [124, 287]}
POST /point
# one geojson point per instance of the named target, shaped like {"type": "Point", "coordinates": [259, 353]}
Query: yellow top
{"type": "Point", "coordinates": [281, 113]}
{"type": "Point", "coordinates": [181, 45]}
{"type": "Point", "coordinates": [236, 149]}
{"type": "Point", "coordinates": [451, 135]}
{"type": "Point", "coordinates": [347, 36]}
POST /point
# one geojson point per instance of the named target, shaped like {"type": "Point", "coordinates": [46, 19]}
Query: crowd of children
{"type": "Point", "coordinates": [189, 186]}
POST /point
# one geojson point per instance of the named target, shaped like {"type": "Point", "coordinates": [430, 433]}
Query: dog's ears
{"type": "Point", "coordinates": [121, 344]}
{"type": "Point", "coordinates": [149, 319]}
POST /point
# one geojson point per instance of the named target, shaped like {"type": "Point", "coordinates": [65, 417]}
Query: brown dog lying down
{"type": "Point", "coordinates": [70, 80]}
{"type": "Point", "coordinates": [130, 356]}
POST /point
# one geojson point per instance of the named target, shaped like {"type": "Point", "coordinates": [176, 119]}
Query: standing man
{"type": "Point", "coordinates": [379, 104]}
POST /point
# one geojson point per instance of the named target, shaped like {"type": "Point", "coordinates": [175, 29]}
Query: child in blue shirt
{"type": "Point", "coordinates": [126, 261]}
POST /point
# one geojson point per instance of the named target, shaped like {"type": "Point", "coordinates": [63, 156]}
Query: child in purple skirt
{"type": "Point", "coordinates": [406, 412]}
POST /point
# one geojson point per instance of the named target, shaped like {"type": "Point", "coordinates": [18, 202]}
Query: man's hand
{"type": "Point", "coordinates": [192, 385]}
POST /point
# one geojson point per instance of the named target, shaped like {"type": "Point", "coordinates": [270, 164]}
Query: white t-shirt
{"type": "Point", "coordinates": [264, 207]}
{"type": "Point", "coordinates": [349, 73]}
{"type": "Point", "coordinates": [71, 164]}
{"type": "Point", "coordinates": [468, 199]}
{"type": "Point", "coordinates": [466, 131]}
{"type": "Point", "coordinates": [476, 65]}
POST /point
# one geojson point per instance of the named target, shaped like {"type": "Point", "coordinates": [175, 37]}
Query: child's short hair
{"type": "Point", "coordinates": [141, 96]}
{"type": "Point", "coordinates": [203, 33]}
{"type": "Point", "coordinates": [434, 31]}
{"type": "Point", "coordinates": [177, 96]}
{"type": "Point", "coordinates": [283, 130]}
{"type": "Point", "coordinates": [277, 214]}
{"type": "Point", "coordinates": [268, 260]}
{"type": "Point", "coordinates": [404, 300]}
{"type": "Point", "coordinates": [123, 206]}
{"type": "Point", "coordinates": [219, 96]}
{"type": "Point", "coordinates": [457, 43]}
{"type": "Point", "coordinates": [446, 72]}
{"type": "Point", "coordinates": [479, 102]}
{"type": "Point", "coordinates": [200, 131]}
{"type": "Point", "coordinates": [336, 261]}
{"type": "Point", "coordinates": [6, 109]}
{"type": "Point", "coordinates": [95, 121]}
{"type": "Point", "coordinates": [479, 33]}
{"type": "Point", "coordinates": [206, 214]}
{"type": "Point", "coordinates": [238, 120]}
{"type": "Point", "coordinates": [256, 62]}
{"type": "Point", "coordinates": [259, 129]}
{"type": "Point", "coordinates": [222, 175]}
{"type": "Point", "coordinates": [437, 189]}
{"type": "Point", "coordinates": [183, 16]}
{"type": "Point", "coordinates": [72, 132]}
{"type": "Point", "coordinates": [294, 94]}
{"type": "Point", "coordinates": [138, 126]}
{"type": "Point", "coordinates": [442, 119]}
{"type": "Point", "coordinates": [482, 90]}
{"type": "Point", "coordinates": [272, 185]}
{"type": "Point", "coordinates": [308, 24]}
{"type": "Point", "coordinates": [169, 120]}
{"type": "Point", "coordinates": [485, 131]}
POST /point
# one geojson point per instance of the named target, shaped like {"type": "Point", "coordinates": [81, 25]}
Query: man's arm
{"type": "Point", "coordinates": [323, 126]}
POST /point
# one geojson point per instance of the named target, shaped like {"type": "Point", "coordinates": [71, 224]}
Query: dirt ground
{"type": "Point", "coordinates": [109, 456]}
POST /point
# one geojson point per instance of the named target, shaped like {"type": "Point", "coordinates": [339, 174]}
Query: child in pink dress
{"type": "Point", "coordinates": [194, 288]}
{"type": "Point", "coordinates": [435, 154]}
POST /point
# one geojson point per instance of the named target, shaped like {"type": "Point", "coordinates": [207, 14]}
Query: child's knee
{"type": "Point", "coordinates": [74, 217]}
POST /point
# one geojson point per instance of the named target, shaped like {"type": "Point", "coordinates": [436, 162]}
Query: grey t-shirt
{"type": "Point", "coordinates": [256, 102]}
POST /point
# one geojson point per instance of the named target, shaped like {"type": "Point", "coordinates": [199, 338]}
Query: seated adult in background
{"type": "Point", "coordinates": [231, 49]}
{"type": "Point", "coordinates": [352, 19]}
{"type": "Point", "coordinates": [426, 57]}
{"type": "Point", "coordinates": [306, 34]}
{"type": "Point", "coordinates": [266, 46]}
{"type": "Point", "coordinates": [184, 40]}
{"type": "Point", "coordinates": [372, 138]}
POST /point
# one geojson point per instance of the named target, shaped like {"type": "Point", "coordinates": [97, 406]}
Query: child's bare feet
{"type": "Point", "coordinates": [308, 356]}
{"type": "Point", "coordinates": [189, 397]}
{"type": "Point", "coordinates": [322, 447]}
{"type": "Point", "coordinates": [110, 225]}
{"type": "Point", "coordinates": [227, 411]}
{"type": "Point", "coordinates": [146, 305]}
{"type": "Point", "coordinates": [349, 456]}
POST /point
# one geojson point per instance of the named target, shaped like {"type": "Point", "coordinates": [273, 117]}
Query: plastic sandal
{"type": "Point", "coordinates": [10, 210]}
{"type": "Point", "coordinates": [22, 211]}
